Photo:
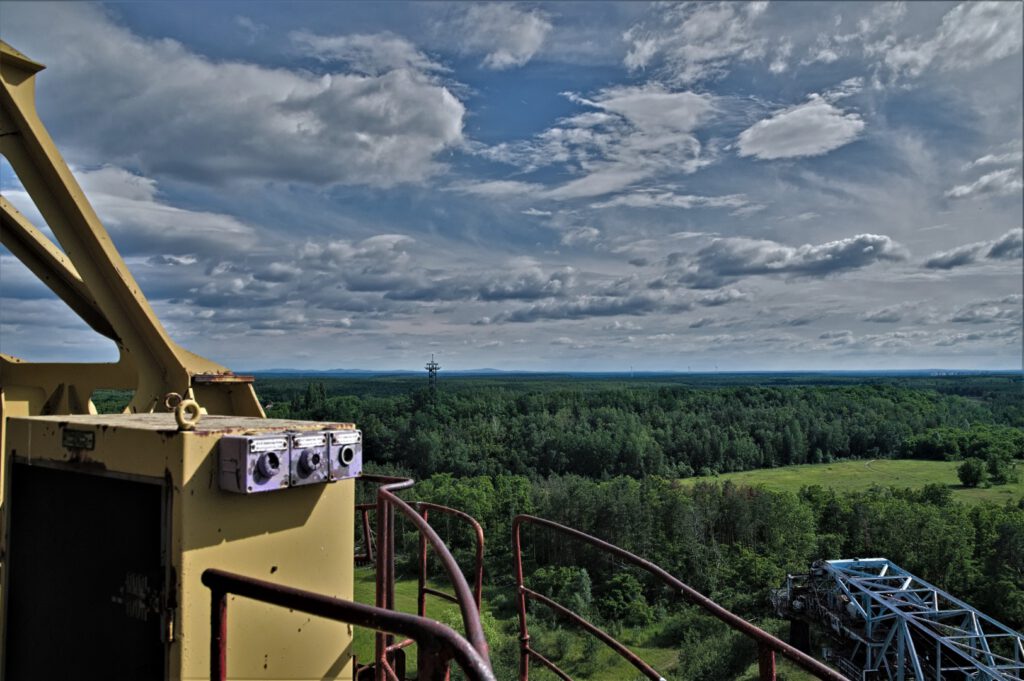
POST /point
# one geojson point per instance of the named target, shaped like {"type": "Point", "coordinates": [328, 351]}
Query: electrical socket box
{"type": "Point", "coordinates": [308, 458]}
{"type": "Point", "coordinates": [346, 453]}
{"type": "Point", "coordinates": [254, 463]}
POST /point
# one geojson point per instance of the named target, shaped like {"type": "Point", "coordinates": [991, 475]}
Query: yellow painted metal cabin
{"type": "Point", "coordinates": [108, 521]}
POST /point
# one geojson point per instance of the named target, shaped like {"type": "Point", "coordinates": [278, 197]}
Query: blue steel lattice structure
{"type": "Point", "coordinates": [893, 625]}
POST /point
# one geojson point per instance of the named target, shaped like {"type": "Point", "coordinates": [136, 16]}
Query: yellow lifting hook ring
{"type": "Point", "coordinates": [187, 414]}
{"type": "Point", "coordinates": [172, 400]}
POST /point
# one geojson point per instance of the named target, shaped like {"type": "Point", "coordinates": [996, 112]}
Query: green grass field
{"type": "Point", "coordinates": [848, 476]}
{"type": "Point", "coordinates": [405, 601]}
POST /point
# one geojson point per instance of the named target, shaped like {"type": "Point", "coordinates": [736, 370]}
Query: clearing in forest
{"type": "Point", "coordinates": [851, 476]}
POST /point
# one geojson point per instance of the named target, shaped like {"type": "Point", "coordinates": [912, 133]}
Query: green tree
{"type": "Point", "coordinates": [971, 472]}
{"type": "Point", "coordinates": [623, 602]}
{"type": "Point", "coordinates": [1001, 469]}
{"type": "Point", "coordinates": [567, 586]}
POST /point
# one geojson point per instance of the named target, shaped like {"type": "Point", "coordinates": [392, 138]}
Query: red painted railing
{"type": "Point", "coordinates": [425, 507]}
{"type": "Point", "coordinates": [382, 549]}
{"type": "Point", "coordinates": [768, 645]}
{"type": "Point", "coordinates": [437, 644]}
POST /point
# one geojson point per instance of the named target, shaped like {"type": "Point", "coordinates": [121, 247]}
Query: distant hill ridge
{"type": "Point", "coordinates": [519, 372]}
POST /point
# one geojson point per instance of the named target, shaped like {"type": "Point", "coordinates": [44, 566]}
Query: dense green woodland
{"type": "Point", "coordinates": [606, 456]}
{"type": "Point", "coordinates": [603, 456]}
{"type": "Point", "coordinates": [729, 542]}
{"type": "Point", "coordinates": [544, 428]}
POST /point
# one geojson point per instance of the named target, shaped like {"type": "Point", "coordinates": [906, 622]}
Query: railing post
{"type": "Point", "coordinates": [431, 663]}
{"type": "Point", "coordinates": [367, 535]}
{"type": "Point", "coordinates": [765, 662]}
{"type": "Point", "coordinates": [524, 633]}
{"type": "Point", "coordinates": [218, 635]}
{"type": "Point", "coordinates": [380, 600]}
{"type": "Point", "coordinates": [391, 561]}
{"type": "Point", "coordinates": [422, 595]}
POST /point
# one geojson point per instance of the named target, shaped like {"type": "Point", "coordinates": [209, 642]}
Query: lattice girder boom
{"type": "Point", "coordinates": [901, 627]}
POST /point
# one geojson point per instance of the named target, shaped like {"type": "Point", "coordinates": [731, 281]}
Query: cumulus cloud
{"type": "Point", "coordinates": [1011, 158]}
{"type": "Point", "coordinates": [222, 120]}
{"type": "Point", "coordinates": [510, 283]}
{"type": "Point", "coordinates": [507, 35]}
{"type": "Point", "coordinates": [619, 325]}
{"type": "Point", "coordinates": [370, 54]}
{"type": "Point", "coordinates": [692, 42]}
{"type": "Point", "coordinates": [585, 306]}
{"type": "Point", "coordinates": [972, 34]}
{"type": "Point", "coordinates": [1009, 246]}
{"type": "Point", "coordinates": [634, 133]}
{"type": "Point", "coordinates": [140, 221]}
{"type": "Point", "coordinates": [580, 236]}
{"type": "Point", "coordinates": [886, 315]}
{"type": "Point", "coordinates": [810, 129]}
{"type": "Point", "coordinates": [1006, 336]}
{"type": "Point", "coordinates": [1006, 182]}
{"type": "Point", "coordinates": [722, 297]}
{"type": "Point", "coordinates": [495, 188]}
{"type": "Point", "coordinates": [1007, 309]}
{"type": "Point", "coordinates": [605, 179]}
{"type": "Point", "coordinates": [729, 259]}
{"type": "Point", "coordinates": [655, 198]}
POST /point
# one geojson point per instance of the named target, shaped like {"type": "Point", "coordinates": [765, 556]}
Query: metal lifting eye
{"type": "Point", "coordinates": [187, 414]}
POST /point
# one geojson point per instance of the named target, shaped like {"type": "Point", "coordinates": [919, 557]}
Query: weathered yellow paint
{"type": "Point", "coordinates": [300, 537]}
{"type": "Point", "coordinates": [159, 365]}
{"type": "Point", "coordinates": [90, 276]}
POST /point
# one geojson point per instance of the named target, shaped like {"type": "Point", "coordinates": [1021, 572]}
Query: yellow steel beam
{"type": "Point", "coordinates": [160, 365]}
{"type": "Point", "coordinates": [52, 267]}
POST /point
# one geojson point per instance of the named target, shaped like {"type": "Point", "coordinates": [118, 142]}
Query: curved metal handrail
{"type": "Point", "coordinates": [438, 643]}
{"type": "Point", "coordinates": [768, 645]}
{"type": "Point", "coordinates": [387, 501]}
{"type": "Point", "coordinates": [478, 566]}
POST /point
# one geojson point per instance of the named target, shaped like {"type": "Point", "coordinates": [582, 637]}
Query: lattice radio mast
{"type": "Point", "coordinates": [432, 368]}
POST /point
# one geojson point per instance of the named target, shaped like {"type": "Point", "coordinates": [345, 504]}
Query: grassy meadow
{"type": "Point", "coordinates": [852, 476]}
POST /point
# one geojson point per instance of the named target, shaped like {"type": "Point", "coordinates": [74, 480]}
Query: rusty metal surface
{"type": "Point", "coordinates": [366, 557]}
{"type": "Point", "coordinates": [225, 377]}
{"type": "Point", "coordinates": [765, 662]}
{"type": "Point", "coordinates": [437, 643]}
{"type": "Point", "coordinates": [766, 642]}
{"type": "Point", "coordinates": [211, 423]}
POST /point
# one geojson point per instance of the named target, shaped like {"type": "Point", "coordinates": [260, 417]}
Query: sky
{"type": "Point", "coordinates": [564, 186]}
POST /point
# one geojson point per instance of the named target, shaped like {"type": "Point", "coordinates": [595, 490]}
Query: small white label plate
{"type": "Point", "coordinates": [268, 445]}
{"type": "Point", "coordinates": [345, 438]}
{"type": "Point", "coordinates": [305, 441]}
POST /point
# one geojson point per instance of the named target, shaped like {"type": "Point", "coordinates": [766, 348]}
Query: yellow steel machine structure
{"type": "Point", "coordinates": [108, 521]}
